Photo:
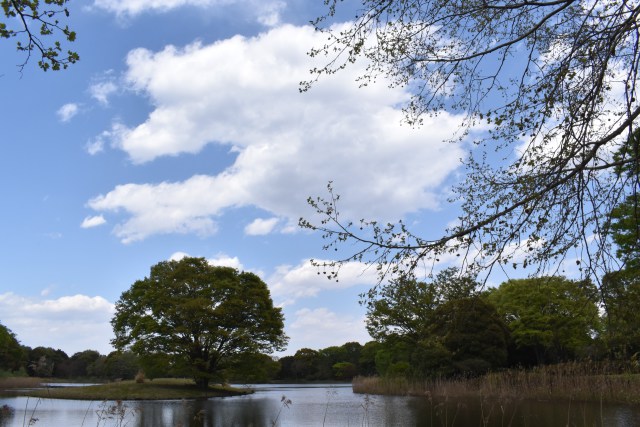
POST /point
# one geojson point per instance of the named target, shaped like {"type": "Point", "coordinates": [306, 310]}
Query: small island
{"type": "Point", "coordinates": [157, 389]}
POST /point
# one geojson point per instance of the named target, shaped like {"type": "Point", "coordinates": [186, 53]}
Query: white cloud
{"type": "Point", "coordinates": [289, 283]}
{"type": "Point", "coordinates": [48, 322]}
{"type": "Point", "coordinates": [165, 208]}
{"type": "Point", "coordinates": [102, 90]}
{"type": "Point", "coordinates": [94, 147]}
{"type": "Point", "coordinates": [223, 260]}
{"type": "Point", "coordinates": [290, 144]}
{"type": "Point", "coordinates": [46, 291]}
{"type": "Point", "coordinates": [93, 221]}
{"type": "Point", "coordinates": [261, 226]}
{"type": "Point", "coordinates": [97, 144]}
{"type": "Point", "coordinates": [177, 256]}
{"type": "Point", "coordinates": [321, 328]}
{"type": "Point", "coordinates": [68, 111]}
{"type": "Point", "coordinates": [269, 12]}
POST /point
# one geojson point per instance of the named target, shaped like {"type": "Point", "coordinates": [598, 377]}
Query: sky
{"type": "Point", "coordinates": [182, 131]}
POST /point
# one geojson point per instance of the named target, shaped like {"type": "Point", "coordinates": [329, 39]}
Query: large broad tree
{"type": "Point", "coordinates": [552, 319]}
{"type": "Point", "coordinates": [437, 328]}
{"type": "Point", "coordinates": [551, 88]}
{"type": "Point", "coordinates": [31, 23]}
{"type": "Point", "coordinates": [199, 316]}
{"type": "Point", "coordinates": [406, 307]}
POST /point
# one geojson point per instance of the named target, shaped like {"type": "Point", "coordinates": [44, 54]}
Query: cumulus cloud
{"type": "Point", "coordinates": [166, 207]}
{"type": "Point", "coordinates": [289, 283]}
{"type": "Point", "coordinates": [261, 226]}
{"type": "Point", "coordinates": [93, 221]}
{"type": "Point", "coordinates": [289, 144]}
{"type": "Point", "coordinates": [68, 111]}
{"type": "Point", "coordinates": [321, 328]}
{"type": "Point", "coordinates": [47, 322]}
{"type": "Point", "coordinates": [223, 260]}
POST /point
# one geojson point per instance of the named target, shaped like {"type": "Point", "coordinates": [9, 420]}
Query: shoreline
{"type": "Point", "coordinates": [158, 389]}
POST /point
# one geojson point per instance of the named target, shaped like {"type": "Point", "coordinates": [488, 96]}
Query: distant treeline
{"type": "Point", "coordinates": [329, 364]}
{"type": "Point", "coordinates": [450, 327]}
{"type": "Point", "coordinates": [47, 362]}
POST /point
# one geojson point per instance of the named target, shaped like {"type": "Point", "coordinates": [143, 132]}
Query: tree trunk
{"type": "Point", "coordinates": [202, 383]}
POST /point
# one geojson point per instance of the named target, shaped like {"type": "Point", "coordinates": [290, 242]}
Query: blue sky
{"type": "Point", "coordinates": [182, 131]}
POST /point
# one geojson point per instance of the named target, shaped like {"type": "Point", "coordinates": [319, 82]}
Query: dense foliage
{"type": "Point", "coordinates": [198, 316]}
{"type": "Point", "coordinates": [438, 328]}
{"type": "Point", "coordinates": [551, 319]}
{"type": "Point", "coordinates": [447, 327]}
{"type": "Point", "coordinates": [331, 363]}
{"type": "Point", "coordinates": [621, 303]}
{"type": "Point", "coordinates": [11, 354]}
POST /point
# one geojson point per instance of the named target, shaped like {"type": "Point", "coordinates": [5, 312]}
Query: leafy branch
{"type": "Point", "coordinates": [29, 22]}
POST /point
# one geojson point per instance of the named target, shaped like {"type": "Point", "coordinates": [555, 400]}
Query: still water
{"type": "Point", "coordinates": [313, 405]}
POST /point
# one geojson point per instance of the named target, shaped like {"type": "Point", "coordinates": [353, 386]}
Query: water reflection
{"type": "Point", "coordinates": [319, 405]}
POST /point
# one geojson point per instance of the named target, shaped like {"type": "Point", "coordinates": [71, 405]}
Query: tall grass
{"type": "Point", "coordinates": [597, 382]}
{"type": "Point", "coordinates": [9, 383]}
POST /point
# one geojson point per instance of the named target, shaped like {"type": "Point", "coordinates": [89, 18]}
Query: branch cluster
{"type": "Point", "coordinates": [29, 22]}
{"type": "Point", "coordinates": [554, 85]}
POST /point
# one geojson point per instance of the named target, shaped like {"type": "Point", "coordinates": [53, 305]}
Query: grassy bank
{"type": "Point", "coordinates": [158, 389]}
{"type": "Point", "coordinates": [581, 382]}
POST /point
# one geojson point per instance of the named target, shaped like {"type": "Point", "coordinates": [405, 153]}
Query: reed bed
{"type": "Point", "coordinates": [597, 382]}
{"type": "Point", "coordinates": [10, 383]}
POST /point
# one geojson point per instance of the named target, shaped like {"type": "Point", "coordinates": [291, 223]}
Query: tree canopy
{"type": "Point", "coordinates": [621, 305]}
{"type": "Point", "coordinates": [407, 307]}
{"type": "Point", "coordinates": [549, 89]}
{"type": "Point", "coordinates": [473, 333]}
{"type": "Point", "coordinates": [31, 23]}
{"type": "Point", "coordinates": [11, 354]}
{"type": "Point", "coordinates": [199, 316]}
{"type": "Point", "coordinates": [437, 328]}
{"type": "Point", "coordinates": [553, 318]}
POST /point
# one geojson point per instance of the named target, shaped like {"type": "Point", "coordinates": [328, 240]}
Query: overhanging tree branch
{"type": "Point", "coordinates": [571, 97]}
{"type": "Point", "coordinates": [29, 22]}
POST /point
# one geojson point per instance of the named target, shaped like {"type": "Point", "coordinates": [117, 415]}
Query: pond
{"type": "Point", "coordinates": [313, 405]}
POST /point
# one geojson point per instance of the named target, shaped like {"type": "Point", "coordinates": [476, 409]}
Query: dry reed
{"type": "Point", "coordinates": [609, 382]}
{"type": "Point", "coordinates": [10, 383]}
